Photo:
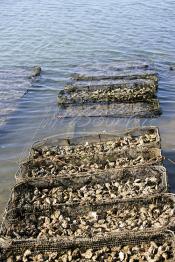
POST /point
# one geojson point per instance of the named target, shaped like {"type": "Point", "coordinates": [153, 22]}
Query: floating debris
{"type": "Point", "coordinates": [172, 67]}
{"type": "Point", "coordinates": [151, 213]}
{"type": "Point", "coordinates": [89, 188]}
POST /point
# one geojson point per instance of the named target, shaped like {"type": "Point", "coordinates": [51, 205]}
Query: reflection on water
{"type": "Point", "coordinates": [70, 36]}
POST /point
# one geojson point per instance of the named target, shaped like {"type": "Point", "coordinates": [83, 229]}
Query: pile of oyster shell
{"type": "Point", "coordinates": [73, 164]}
{"type": "Point", "coordinates": [106, 95]}
{"type": "Point", "coordinates": [150, 252]}
{"type": "Point", "coordinates": [77, 222]}
{"type": "Point", "coordinates": [90, 149]}
{"type": "Point", "coordinates": [119, 152]}
{"type": "Point", "coordinates": [90, 193]}
{"type": "Point", "coordinates": [108, 90]}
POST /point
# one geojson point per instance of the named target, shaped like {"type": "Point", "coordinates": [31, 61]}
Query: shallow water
{"type": "Point", "coordinates": [70, 36]}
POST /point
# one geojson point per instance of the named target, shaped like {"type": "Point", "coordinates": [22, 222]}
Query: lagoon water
{"type": "Point", "coordinates": [70, 36]}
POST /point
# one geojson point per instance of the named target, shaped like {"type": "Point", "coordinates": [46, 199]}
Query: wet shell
{"type": "Point", "coordinates": [152, 251]}
{"type": "Point", "coordinates": [92, 223]}
{"type": "Point", "coordinates": [90, 193]}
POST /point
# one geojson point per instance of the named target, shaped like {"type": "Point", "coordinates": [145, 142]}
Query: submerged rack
{"type": "Point", "coordinates": [111, 91]}
{"type": "Point", "coordinates": [150, 75]}
{"type": "Point", "coordinates": [126, 94]}
{"type": "Point", "coordinates": [107, 96]}
{"type": "Point", "coordinates": [111, 84]}
{"type": "Point", "coordinates": [148, 109]}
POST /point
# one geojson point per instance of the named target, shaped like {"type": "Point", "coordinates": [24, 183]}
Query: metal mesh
{"type": "Point", "coordinates": [111, 91]}
{"type": "Point", "coordinates": [71, 165]}
{"type": "Point", "coordinates": [18, 247]}
{"type": "Point", "coordinates": [135, 133]}
{"type": "Point", "coordinates": [17, 220]}
{"type": "Point", "coordinates": [128, 76]}
{"type": "Point", "coordinates": [24, 193]}
{"type": "Point", "coordinates": [148, 109]}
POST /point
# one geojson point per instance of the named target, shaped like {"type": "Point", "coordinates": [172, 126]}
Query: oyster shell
{"type": "Point", "coordinates": [151, 251]}
{"type": "Point", "coordinates": [125, 187]}
{"type": "Point", "coordinates": [156, 214]}
{"type": "Point", "coordinates": [123, 94]}
{"type": "Point", "coordinates": [90, 158]}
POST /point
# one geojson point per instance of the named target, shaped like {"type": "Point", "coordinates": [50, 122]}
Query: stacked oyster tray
{"type": "Point", "coordinates": [100, 197]}
{"type": "Point", "coordinates": [130, 92]}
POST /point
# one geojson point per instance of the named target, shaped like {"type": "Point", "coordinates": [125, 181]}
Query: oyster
{"type": "Point", "coordinates": [87, 192]}
{"type": "Point", "coordinates": [131, 149]}
{"type": "Point", "coordinates": [90, 158]}
{"type": "Point", "coordinates": [151, 251]}
{"type": "Point", "coordinates": [58, 153]}
{"type": "Point", "coordinates": [156, 213]}
{"type": "Point", "coordinates": [132, 91]}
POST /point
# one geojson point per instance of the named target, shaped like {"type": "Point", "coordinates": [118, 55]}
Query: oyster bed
{"type": "Point", "coordinates": [100, 96]}
{"type": "Point", "coordinates": [111, 91]}
{"type": "Point", "coordinates": [149, 134]}
{"type": "Point", "coordinates": [89, 188]}
{"type": "Point", "coordinates": [157, 252]}
{"type": "Point", "coordinates": [152, 213]}
{"type": "Point", "coordinates": [76, 163]}
{"type": "Point", "coordinates": [89, 146]}
{"type": "Point", "coordinates": [147, 109]}
{"type": "Point", "coordinates": [86, 198]}
{"type": "Point", "coordinates": [124, 95]}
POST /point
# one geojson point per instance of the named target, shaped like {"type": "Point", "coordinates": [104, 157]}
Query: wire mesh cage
{"type": "Point", "coordinates": [158, 245]}
{"type": "Point", "coordinates": [146, 109]}
{"type": "Point", "coordinates": [73, 164]}
{"type": "Point", "coordinates": [108, 91]}
{"type": "Point", "coordinates": [96, 220]}
{"type": "Point", "coordinates": [124, 75]}
{"type": "Point", "coordinates": [141, 136]}
{"type": "Point", "coordinates": [90, 187]}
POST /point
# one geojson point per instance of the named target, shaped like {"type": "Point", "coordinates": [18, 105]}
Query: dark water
{"type": "Point", "coordinates": [69, 36]}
